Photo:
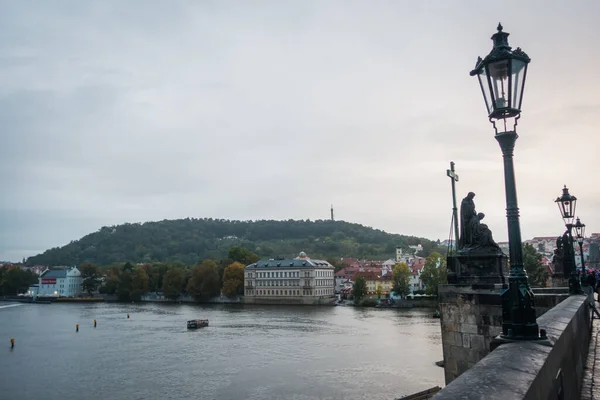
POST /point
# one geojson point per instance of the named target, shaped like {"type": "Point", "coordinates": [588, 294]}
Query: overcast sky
{"type": "Point", "coordinates": [131, 111]}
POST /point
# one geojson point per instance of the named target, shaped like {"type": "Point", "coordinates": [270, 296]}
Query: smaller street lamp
{"type": "Point", "coordinates": [580, 235]}
{"type": "Point", "coordinates": [566, 205]}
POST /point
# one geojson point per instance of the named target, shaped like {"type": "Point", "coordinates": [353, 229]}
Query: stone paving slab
{"type": "Point", "coordinates": [590, 389]}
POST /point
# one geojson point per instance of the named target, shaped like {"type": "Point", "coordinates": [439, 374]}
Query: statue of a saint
{"type": "Point", "coordinates": [482, 235]}
{"type": "Point", "coordinates": [467, 214]}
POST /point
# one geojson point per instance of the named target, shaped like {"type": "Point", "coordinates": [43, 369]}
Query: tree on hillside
{"type": "Point", "coordinates": [91, 277]}
{"type": "Point", "coordinates": [401, 279]}
{"type": "Point", "coordinates": [128, 266]}
{"type": "Point", "coordinates": [532, 262]}
{"type": "Point", "coordinates": [242, 255]}
{"type": "Point", "coordinates": [434, 273]}
{"type": "Point", "coordinates": [233, 280]}
{"type": "Point", "coordinates": [189, 240]}
{"type": "Point", "coordinates": [173, 283]}
{"type": "Point", "coordinates": [359, 289]}
{"type": "Point", "coordinates": [204, 281]}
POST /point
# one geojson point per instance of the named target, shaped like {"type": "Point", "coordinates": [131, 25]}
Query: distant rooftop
{"type": "Point", "coordinates": [302, 261]}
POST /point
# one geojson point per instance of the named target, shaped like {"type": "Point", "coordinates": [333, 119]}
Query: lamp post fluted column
{"type": "Point", "coordinates": [518, 312]}
{"type": "Point", "coordinates": [583, 273]}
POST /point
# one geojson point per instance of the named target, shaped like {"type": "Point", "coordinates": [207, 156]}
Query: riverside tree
{"type": "Point", "coordinates": [91, 277]}
{"type": "Point", "coordinates": [434, 273]}
{"type": "Point", "coordinates": [401, 279]}
{"type": "Point", "coordinates": [359, 289]}
{"type": "Point", "coordinates": [233, 280]}
{"type": "Point", "coordinates": [204, 282]}
{"type": "Point", "coordinates": [173, 283]}
{"type": "Point", "coordinates": [139, 283]}
{"type": "Point", "coordinates": [15, 280]}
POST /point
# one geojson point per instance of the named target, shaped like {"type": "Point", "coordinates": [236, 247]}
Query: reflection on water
{"type": "Point", "coordinates": [248, 352]}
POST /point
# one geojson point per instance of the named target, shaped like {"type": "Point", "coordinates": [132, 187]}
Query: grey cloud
{"type": "Point", "coordinates": [117, 112]}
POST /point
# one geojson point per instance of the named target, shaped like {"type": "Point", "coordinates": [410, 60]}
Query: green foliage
{"type": "Point", "coordinates": [204, 282]}
{"type": "Point", "coordinates": [15, 280]}
{"type": "Point", "coordinates": [173, 283]}
{"type": "Point", "coordinates": [359, 289]}
{"type": "Point", "coordinates": [537, 273]}
{"type": "Point", "coordinates": [91, 277]}
{"type": "Point", "coordinates": [233, 280]}
{"type": "Point", "coordinates": [139, 283]}
{"type": "Point", "coordinates": [434, 273]}
{"type": "Point", "coordinates": [190, 240]}
{"type": "Point", "coordinates": [242, 255]}
{"type": "Point", "coordinates": [125, 285]}
{"type": "Point", "coordinates": [401, 279]}
{"type": "Point", "coordinates": [111, 281]}
{"type": "Point", "coordinates": [379, 291]}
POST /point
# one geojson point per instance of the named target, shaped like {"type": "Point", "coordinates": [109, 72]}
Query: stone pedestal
{"type": "Point", "coordinates": [559, 281]}
{"type": "Point", "coordinates": [471, 267]}
{"type": "Point", "coordinates": [470, 319]}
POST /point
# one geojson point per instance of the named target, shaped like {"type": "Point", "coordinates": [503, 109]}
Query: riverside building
{"type": "Point", "coordinates": [60, 282]}
{"type": "Point", "coordinates": [300, 280]}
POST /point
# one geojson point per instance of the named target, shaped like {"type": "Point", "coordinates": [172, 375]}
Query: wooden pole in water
{"type": "Point", "coordinates": [127, 316]}
{"type": "Point", "coordinates": [12, 342]}
{"type": "Point", "coordinates": [94, 323]}
{"type": "Point", "coordinates": [77, 328]}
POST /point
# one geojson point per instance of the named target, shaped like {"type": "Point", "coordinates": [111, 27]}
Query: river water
{"type": "Point", "coordinates": [248, 352]}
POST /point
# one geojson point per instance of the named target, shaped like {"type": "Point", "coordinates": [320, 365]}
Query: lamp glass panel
{"type": "Point", "coordinates": [518, 81]}
{"type": "Point", "coordinates": [485, 89]}
{"type": "Point", "coordinates": [499, 78]}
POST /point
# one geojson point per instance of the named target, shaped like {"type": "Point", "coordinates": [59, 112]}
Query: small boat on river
{"type": "Point", "coordinates": [197, 323]}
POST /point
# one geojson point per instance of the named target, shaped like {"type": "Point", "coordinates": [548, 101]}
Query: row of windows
{"type": "Point", "coordinates": [288, 274]}
{"type": "Point", "coordinates": [305, 292]}
{"type": "Point", "coordinates": [325, 282]}
{"type": "Point", "coordinates": [276, 283]}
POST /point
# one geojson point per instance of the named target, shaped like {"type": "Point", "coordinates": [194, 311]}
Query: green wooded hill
{"type": "Point", "coordinates": [191, 240]}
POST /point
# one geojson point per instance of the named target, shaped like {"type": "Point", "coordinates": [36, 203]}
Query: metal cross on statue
{"type": "Point", "coordinates": [454, 178]}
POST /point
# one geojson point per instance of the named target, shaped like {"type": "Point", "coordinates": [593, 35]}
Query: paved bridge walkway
{"type": "Point", "coordinates": [591, 378]}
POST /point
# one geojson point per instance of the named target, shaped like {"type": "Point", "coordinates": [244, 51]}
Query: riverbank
{"type": "Point", "coordinates": [428, 303]}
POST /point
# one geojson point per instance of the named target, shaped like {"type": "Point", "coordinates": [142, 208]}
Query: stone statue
{"type": "Point", "coordinates": [482, 235]}
{"type": "Point", "coordinates": [474, 234]}
{"type": "Point", "coordinates": [467, 214]}
{"type": "Point", "coordinates": [557, 259]}
{"type": "Point", "coordinates": [567, 255]}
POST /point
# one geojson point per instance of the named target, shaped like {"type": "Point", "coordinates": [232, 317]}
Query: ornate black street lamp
{"type": "Point", "coordinates": [580, 235]}
{"type": "Point", "coordinates": [567, 204]}
{"type": "Point", "coordinates": [502, 79]}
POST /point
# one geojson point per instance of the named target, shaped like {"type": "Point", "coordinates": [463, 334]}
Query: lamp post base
{"type": "Point", "coordinates": [518, 312]}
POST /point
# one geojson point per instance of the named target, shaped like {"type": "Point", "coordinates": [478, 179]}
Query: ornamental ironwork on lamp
{"type": "Point", "coordinates": [501, 77]}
